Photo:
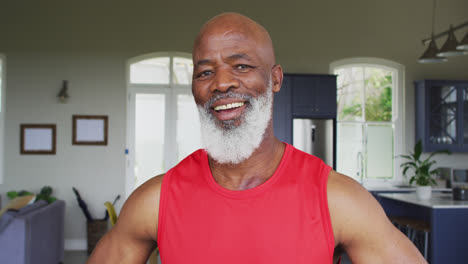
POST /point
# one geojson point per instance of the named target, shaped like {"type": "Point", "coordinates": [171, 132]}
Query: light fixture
{"type": "Point", "coordinates": [449, 49]}
{"type": "Point", "coordinates": [63, 94]}
{"type": "Point", "coordinates": [430, 55]}
{"type": "Point", "coordinates": [464, 43]}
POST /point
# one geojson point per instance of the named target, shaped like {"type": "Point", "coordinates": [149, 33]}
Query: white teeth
{"type": "Point", "coordinates": [228, 106]}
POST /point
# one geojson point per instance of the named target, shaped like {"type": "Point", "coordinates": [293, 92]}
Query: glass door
{"type": "Point", "coordinates": [149, 136]}
{"type": "Point", "coordinates": [465, 116]}
{"type": "Point", "coordinates": [443, 110]}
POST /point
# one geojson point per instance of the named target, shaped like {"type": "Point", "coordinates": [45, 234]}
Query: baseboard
{"type": "Point", "coordinates": [76, 244]}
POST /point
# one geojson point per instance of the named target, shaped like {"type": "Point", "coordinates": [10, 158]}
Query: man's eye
{"type": "Point", "coordinates": [204, 74]}
{"type": "Point", "coordinates": [242, 67]}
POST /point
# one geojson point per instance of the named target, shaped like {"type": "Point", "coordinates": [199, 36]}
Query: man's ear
{"type": "Point", "coordinates": [276, 77]}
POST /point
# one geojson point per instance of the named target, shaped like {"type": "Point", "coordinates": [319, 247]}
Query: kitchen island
{"type": "Point", "coordinates": [448, 219]}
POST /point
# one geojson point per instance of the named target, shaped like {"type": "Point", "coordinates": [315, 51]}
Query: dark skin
{"type": "Point", "coordinates": [233, 53]}
{"type": "Point", "coordinates": [226, 60]}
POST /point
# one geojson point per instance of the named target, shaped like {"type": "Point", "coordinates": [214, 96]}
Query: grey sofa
{"type": "Point", "coordinates": [34, 234]}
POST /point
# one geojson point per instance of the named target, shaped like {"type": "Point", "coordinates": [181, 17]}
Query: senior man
{"type": "Point", "coordinates": [248, 197]}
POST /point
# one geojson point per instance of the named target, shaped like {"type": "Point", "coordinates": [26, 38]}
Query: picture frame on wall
{"type": "Point", "coordinates": [38, 139]}
{"type": "Point", "coordinates": [90, 130]}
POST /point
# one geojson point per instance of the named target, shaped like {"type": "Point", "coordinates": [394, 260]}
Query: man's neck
{"type": "Point", "coordinates": [252, 172]}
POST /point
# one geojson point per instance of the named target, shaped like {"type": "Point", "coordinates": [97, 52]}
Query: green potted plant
{"type": "Point", "coordinates": [422, 172]}
{"type": "Point", "coordinates": [45, 194]}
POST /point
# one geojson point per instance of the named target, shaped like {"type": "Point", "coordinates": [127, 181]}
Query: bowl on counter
{"type": "Point", "coordinates": [460, 193]}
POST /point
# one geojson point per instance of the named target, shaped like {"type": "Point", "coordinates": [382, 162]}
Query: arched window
{"type": "Point", "coordinates": [2, 115]}
{"type": "Point", "coordinates": [163, 124]}
{"type": "Point", "coordinates": [370, 119]}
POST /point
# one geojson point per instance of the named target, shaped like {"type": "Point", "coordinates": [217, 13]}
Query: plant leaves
{"type": "Point", "coordinates": [417, 150]}
{"type": "Point", "coordinates": [12, 195]}
{"type": "Point", "coordinates": [46, 191]}
{"type": "Point", "coordinates": [406, 157]}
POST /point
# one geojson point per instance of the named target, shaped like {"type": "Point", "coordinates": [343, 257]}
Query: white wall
{"type": "Point", "coordinates": [96, 86]}
{"type": "Point", "coordinates": [88, 43]}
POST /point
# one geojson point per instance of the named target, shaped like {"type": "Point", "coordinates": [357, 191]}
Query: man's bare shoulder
{"type": "Point", "coordinates": [133, 237]}
{"type": "Point", "coordinates": [346, 199]}
{"type": "Point", "coordinates": [361, 226]}
{"type": "Point", "coordinates": [142, 208]}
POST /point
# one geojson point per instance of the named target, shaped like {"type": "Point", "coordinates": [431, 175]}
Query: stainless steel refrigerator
{"type": "Point", "coordinates": [316, 137]}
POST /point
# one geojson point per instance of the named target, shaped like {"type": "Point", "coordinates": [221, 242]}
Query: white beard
{"type": "Point", "coordinates": [227, 143]}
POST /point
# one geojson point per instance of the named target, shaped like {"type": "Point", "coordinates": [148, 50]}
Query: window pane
{"type": "Point", "coordinates": [379, 151]}
{"type": "Point", "coordinates": [151, 71]}
{"type": "Point", "coordinates": [188, 126]}
{"type": "Point", "coordinates": [149, 136]}
{"type": "Point", "coordinates": [183, 69]}
{"type": "Point", "coordinates": [350, 88]}
{"type": "Point", "coordinates": [349, 150]}
{"type": "Point", "coordinates": [378, 83]}
{"type": "Point", "coordinates": [443, 115]}
{"type": "Point", "coordinates": [465, 114]}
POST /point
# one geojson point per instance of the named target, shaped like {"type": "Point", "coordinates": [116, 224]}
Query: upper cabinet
{"type": "Point", "coordinates": [313, 96]}
{"type": "Point", "coordinates": [442, 115]}
{"type": "Point", "coordinates": [303, 96]}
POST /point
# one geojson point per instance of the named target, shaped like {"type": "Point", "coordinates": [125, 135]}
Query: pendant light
{"type": "Point", "coordinates": [449, 49]}
{"type": "Point", "coordinates": [464, 43]}
{"type": "Point", "coordinates": [430, 55]}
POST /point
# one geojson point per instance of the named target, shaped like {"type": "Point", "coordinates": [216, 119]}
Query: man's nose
{"type": "Point", "coordinates": [225, 80]}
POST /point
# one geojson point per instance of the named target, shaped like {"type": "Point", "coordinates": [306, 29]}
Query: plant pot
{"type": "Point", "coordinates": [424, 192]}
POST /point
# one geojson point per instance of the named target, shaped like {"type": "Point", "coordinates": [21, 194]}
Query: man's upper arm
{"type": "Point", "coordinates": [362, 228]}
{"type": "Point", "coordinates": [133, 237]}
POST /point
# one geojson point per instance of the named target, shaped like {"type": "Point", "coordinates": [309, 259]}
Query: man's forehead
{"type": "Point", "coordinates": [227, 36]}
{"type": "Point", "coordinates": [233, 33]}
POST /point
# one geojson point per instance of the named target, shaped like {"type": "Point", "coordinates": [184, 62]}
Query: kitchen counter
{"type": "Point", "coordinates": [448, 220]}
{"type": "Point", "coordinates": [388, 189]}
{"type": "Point", "coordinates": [438, 200]}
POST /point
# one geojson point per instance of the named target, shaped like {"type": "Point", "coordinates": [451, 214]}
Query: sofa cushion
{"type": "Point", "coordinates": [10, 214]}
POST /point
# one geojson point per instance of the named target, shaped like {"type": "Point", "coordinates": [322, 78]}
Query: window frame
{"type": "Point", "coordinates": [2, 115]}
{"type": "Point", "coordinates": [398, 111]}
{"type": "Point", "coordinates": [170, 91]}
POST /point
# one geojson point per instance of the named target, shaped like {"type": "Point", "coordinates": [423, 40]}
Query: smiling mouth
{"type": "Point", "coordinates": [228, 106]}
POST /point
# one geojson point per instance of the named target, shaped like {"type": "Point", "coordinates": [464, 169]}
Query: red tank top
{"type": "Point", "coordinates": [284, 220]}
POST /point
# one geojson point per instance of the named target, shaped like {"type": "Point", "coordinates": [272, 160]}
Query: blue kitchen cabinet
{"type": "Point", "coordinates": [282, 117]}
{"type": "Point", "coordinates": [442, 115]}
{"type": "Point", "coordinates": [303, 96]}
{"type": "Point", "coordinates": [313, 96]}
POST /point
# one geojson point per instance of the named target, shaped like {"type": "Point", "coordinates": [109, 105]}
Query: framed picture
{"type": "Point", "coordinates": [90, 130]}
{"type": "Point", "coordinates": [38, 139]}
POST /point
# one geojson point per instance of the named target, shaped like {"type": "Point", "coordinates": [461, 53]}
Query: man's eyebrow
{"type": "Point", "coordinates": [232, 57]}
{"type": "Point", "coordinates": [239, 56]}
{"type": "Point", "coordinates": [203, 62]}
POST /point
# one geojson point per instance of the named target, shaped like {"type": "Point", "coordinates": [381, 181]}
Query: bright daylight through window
{"type": "Point", "coordinates": [163, 125]}
{"type": "Point", "coordinates": [368, 123]}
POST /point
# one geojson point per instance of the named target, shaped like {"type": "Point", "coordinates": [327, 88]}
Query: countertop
{"type": "Point", "coordinates": [402, 189]}
{"type": "Point", "coordinates": [438, 200]}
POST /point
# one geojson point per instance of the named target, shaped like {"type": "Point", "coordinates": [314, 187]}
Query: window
{"type": "Point", "coordinates": [163, 125]}
{"type": "Point", "coordinates": [2, 114]}
{"type": "Point", "coordinates": [370, 120]}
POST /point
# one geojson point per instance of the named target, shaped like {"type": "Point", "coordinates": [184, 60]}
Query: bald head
{"type": "Point", "coordinates": [233, 25]}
